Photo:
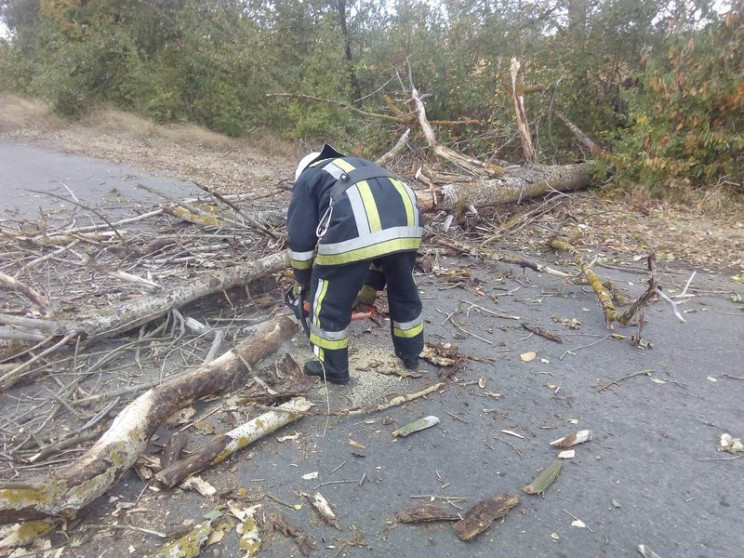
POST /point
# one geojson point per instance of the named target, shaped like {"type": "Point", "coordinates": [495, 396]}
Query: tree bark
{"type": "Point", "coordinates": [224, 445]}
{"type": "Point", "coordinates": [515, 184]}
{"type": "Point", "coordinates": [74, 486]}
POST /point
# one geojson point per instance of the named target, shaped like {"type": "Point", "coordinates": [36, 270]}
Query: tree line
{"type": "Point", "coordinates": [657, 84]}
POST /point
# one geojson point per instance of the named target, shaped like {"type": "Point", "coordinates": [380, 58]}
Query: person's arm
{"type": "Point", "coordinates": [302, 221]}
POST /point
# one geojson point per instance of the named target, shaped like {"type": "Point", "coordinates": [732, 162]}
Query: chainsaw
{"type": "Point", "coordinates": [301, 310]}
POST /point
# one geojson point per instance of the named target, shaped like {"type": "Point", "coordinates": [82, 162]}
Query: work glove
{"type": "Point", "coordinates": [298, 289]}
{"type": "Point", "coordinates": [365, 299]}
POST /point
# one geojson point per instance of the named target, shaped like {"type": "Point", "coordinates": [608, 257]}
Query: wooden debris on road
{"type": "Point", "coordinates": [322, 506]}
{"type": "Point", "coordinates": [277, 523]}
{"type": "Point", "coordinates": [74, 486]}
{"type": "Point", "coordinates": [578, 437]}
{"type": "Point", "coordinates": [482, 515]}
{"type": "Point", "coordinates": [226, 444]}
{"type": "Point", "coordinates": [541, 332]}
{"type": "Point", "coordinates": [422, 513]}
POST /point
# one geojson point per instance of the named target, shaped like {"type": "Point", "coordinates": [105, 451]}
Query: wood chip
{"type": "Point", "coordinates": [420, 513]}
{"type": "Point", "coordinates": [482, 515]}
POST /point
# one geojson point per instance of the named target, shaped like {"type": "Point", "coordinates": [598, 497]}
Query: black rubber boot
{"type": "Point", "coordinates": [314, 368]}
{"type": "Point", "coordinates": [411, 364]}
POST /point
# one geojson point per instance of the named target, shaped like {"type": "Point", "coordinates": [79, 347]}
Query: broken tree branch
{"type": "Point", "coordinates": [76, 485]}
{"type": "Point", "coordinates": [517, 83]}
{"type": "Point", "coordinates": [576, 131]}
{"type": "Point", "coordinates": [40, 301]}
{"type": "Point", "coordinates": [236, 439]}
{"type": "Point", "coordinates": [147, 308]}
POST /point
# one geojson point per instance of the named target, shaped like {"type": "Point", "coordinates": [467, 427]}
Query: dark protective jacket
{"type": "Point", "coordinates": [347, 209]}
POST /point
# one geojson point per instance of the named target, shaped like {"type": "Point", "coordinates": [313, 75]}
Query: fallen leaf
{"type": "Point", "coordinates": [211, 515]}
{"type": "Point", "coordinates": [416, 426]}
{"type": "Point", "coordinates": [215, 536]}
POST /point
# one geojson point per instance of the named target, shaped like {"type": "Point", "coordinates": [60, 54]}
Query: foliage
{"type": "Point", "coordinates": [688, 116]}
{"type": "Point", "coordinates": [216, 62]}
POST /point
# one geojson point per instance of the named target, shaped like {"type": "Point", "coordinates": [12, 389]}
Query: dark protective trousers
{"type": "Point", "coordinates": [333, 290]}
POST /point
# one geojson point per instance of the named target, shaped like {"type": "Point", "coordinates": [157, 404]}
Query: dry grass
{"type": "Point", "coordinates": [18, 115]}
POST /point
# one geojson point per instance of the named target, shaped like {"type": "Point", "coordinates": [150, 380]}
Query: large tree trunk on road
{"type": "Point", "coordinates": [79, 483]}
{"type": "Point", "coordinates": [515, 184]}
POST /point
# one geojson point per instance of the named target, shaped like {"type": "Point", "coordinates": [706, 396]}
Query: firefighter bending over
{"type": "Point", "coordinates": [353, 228]}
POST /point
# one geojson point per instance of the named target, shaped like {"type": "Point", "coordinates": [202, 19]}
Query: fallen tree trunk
{"type": "Point", "coordinates": [514, 185]}
{"type": "Point", "coordinates": [136, 312]}
{"type": "Point", "coordinates": [74, 486]}
{"type": "Point", "coordinates": [506, 185]}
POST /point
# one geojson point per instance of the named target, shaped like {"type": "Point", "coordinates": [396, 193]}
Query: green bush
{"type": "Point", "coordinates": [688, 116]}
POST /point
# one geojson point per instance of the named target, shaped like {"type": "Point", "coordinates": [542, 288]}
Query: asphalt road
{"type": "Point", "coordinates": [651, 474]}
{"type": "Point", "coordinates": [32, 179]}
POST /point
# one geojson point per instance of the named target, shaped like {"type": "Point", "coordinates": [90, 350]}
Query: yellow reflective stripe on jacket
{"type": "Point", "coordinates": [301, 260]}
{"type": "Point", "coordinates": [408, 329]}
{"type": "Point", "coordinates": [318, 352]}
{"type": "Point", "coordinates": [407, 203]}
{"type": "Point", "coordinates": [370, 207]}
{"type": "Point", "coordinates": [385, 241]}
{"type": "Point", "coordinates": [337, 167]}
{"type": "Point", "coordinates": [370, 252]}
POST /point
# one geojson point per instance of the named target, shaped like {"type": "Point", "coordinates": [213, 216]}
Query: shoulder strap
{"type": "Point", "coordinates": [347, 180]}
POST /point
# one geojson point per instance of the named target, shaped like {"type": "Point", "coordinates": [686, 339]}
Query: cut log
{"type": "Point", "coordinates": [75, 485]}
{"type": "Point", "coordinates": [226, 444]}
{"type": "Point", "coordinates": [513, 185]}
